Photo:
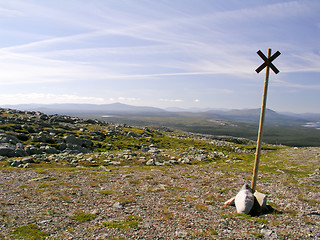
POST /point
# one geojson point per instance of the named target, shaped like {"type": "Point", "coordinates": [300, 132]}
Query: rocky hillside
{"type": "Point", "coordinates": [24, 134]}
{"type": "Point", "coordinates": [67, 178]}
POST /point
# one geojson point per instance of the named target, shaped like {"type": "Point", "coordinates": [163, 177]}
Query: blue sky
{"type": "Point", "coordinates": [162, 53]}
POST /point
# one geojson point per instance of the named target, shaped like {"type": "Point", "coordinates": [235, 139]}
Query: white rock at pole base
{"type": "Point", "coordinates": [244, 200]}
{"type": "Point", "coordinates": [262, 199]}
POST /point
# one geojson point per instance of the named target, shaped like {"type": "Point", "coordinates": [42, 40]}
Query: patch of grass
{"type": "Point", "coordinates": [134, 182]}
{"type": "Point", "coordinates": [191, 176]}
{"type": "Point", "coordinates": [211, 198]}
{"type": "Point", "coordinates": [94, 184]}
{"type": "Point", "coordinates": [108, 192]}
{"type": "Point", "coordinates": [49, 212]}
{"type": "Point", "coordinates": [126, 200]}
{"type": "Point", "coordinates": [202, 233]}
{"type": "Point", "coordinates": [175, 188]}
{"type": "Point", "coordinates": [115, 238]}
{"type": "Point", "coordinates": [166, 214]}
{"type": "Point", "coordinates": [256, 234]}
{"type": "Point", "coordinates": [44, 185]}
{"type": "Point", "coordinates": [70, 229]}
{"type": "Point", "coordinates": [254, 219]}
{"type": "Point", "coordinates": [303, 198]}
{"type": "Point", "coordinates": [29, 232]}
{"type": "Point", "coordinates": [81, 216]}
{"type": "Point", "coordinates": [223, 190]}
{"type": "Point", "coordinates": [201, 207]}
{"type": "Point", "coordinates": [130, 222]}
{"type": "Point", "coordinates": [64, 184]}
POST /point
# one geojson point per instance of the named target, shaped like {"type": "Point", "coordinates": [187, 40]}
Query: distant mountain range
{"type": "Point", "coordinates": [119, 109]}
{"type": "Point", "coordinates": [73, 108]}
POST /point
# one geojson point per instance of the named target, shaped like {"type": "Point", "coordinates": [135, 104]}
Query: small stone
{"type": "Point", "coordinates": [268, 234]}
{"type": "Point", "coordinates": [27, 160]}
{"type": "Point", "coordinates": [16, 163]}
{"type": "Point", "coordinates": [230, 202]}
{"type": "Point", "coordinates": [27, 165]}
{"type": "Point", "coordinates": [118, 205]}
{"type": "Point", "coordinates": [181, 234]}
{"type": "Point", "coordinates": [150, 162]}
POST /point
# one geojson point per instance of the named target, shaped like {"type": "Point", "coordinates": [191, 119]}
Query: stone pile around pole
{"type": "Point", "coordinates": [247, 202]}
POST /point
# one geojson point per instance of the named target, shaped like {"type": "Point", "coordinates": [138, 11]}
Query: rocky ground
{"type": "Point", "coordinates": [154, 190]}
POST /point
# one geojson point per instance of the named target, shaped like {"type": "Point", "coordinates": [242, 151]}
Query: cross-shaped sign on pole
{"type": "Point", "coordinates": [267, 64]}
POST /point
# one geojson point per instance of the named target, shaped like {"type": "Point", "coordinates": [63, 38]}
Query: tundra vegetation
{"type": "Point", "coordinates": [68, 178]}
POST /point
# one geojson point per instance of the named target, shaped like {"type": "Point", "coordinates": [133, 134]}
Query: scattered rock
{"type": "Point", "coordinates": [8, 138]}
{"type": "Point", "coordinates": [117, 205]}
{"type": "Point", "coordinates": [27, 160]}
{"type": "Point", "coordinates": [151, 162]}
{"type": "Point", "coordinates": [7, 150]}
{"type": "Point", "coordinates": [230, 202]}
{"type": "Point", "coordinates": [268, 234]}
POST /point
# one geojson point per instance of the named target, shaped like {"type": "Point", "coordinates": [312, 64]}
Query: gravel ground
{"type": "Point", "coordinates": [160, 202]}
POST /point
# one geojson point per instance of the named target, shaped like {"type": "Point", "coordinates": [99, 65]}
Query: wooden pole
{"type": "Point", "coordinates": [262, 117]}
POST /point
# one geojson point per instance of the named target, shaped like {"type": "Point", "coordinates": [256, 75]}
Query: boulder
{"type": "Point", "coordinates": [8, 138]}
{"type": "Point", "coordinates": [244, 200]}
{"type": "Point", "coordinates": [41, 137]}
{"type": "Point", "coordinates": [31, 150]}
{"type": "Point", "coordinates": [70, 139]}
{"type": "Point", "coordinates": [7, 150]}
{"type": "Point", "coordinates": [49, 149]}
{"type": "Point", "coordinates": [71, 148]}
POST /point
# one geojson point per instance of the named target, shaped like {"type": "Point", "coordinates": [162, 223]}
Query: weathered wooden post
{"type": "Point", "coordinates": [268, 64]}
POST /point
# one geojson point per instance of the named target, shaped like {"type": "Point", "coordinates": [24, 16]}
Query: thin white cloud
{"type": "Point", "coordinates": [152, 40]}
{"type": "Point", "coordinates": [287, 84]}
{"type": "Point", "coordinates": [47, 98]}
{"type": "Point", "coordinates": [24, 69]}
{"type": "Point", "coordinates": [128, 99]}
{"type": "Point", "coordinates": [171, 100]}
{"type": "Point", "coordinates": [196, 54]}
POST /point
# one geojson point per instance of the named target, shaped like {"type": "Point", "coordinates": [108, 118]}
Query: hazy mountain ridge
{"type": "Point", "coordinates": [243, 115]}
{"type": "Point", "coordinates": [74, 108]}
{"type": "Point", "coordinates": [292, 130]}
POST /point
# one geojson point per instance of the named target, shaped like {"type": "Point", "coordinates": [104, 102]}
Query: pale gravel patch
{"type": "Point", "coordinates": [181, 201]}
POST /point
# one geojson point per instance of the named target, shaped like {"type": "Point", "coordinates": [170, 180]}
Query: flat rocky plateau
{"type": "Point", "coordinates": [183, 201]}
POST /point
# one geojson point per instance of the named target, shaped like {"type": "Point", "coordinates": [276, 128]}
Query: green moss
{"type": "Point", "coordinates": [122, 225]}
{"type": "Point", "coordinates": [44, 185]}
{"type": "Point", "coordinates": [254, 219]}
{"type": "Point", "coordinates": [134, 182]}
{"type": "Point", "coordinates": [29, 232]}
{"type": "Point", "coordinates": [80, 216]}
{"type": "Point", "coordinates": [130, 221]}
{"type": "Point", "coordinates": [175, 188]}
{"type": "Point", "coordinates": [108, 192]}
{"type": "Point", "coordinates": [256, 234]}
